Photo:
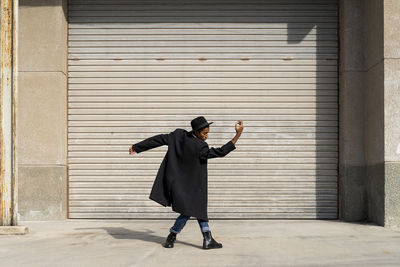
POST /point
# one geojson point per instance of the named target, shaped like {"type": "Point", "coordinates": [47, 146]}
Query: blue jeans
{"type": "Point", "coordinates": [181, 221]}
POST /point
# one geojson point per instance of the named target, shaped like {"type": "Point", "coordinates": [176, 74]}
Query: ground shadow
{"type": "Point", "coordinates": [145, 235]}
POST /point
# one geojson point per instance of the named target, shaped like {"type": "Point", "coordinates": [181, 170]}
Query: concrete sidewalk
{"type": "Point", "coordinates": [246, 243]}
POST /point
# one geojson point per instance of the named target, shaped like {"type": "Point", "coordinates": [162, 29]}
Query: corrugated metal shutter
{"type": "Point", "coordinates": [140, 68]}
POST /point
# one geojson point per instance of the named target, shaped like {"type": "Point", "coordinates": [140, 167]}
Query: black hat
{"type": "Point", "coordinates": [199, 122]}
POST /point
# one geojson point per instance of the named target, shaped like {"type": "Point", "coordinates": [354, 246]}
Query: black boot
{"type": "Point", "coordinates": [169, 243]}
{"type": "Point", "coordinates": [209, 242]}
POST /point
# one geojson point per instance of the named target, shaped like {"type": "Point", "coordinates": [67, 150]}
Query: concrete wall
{"type": "Point", "coordinates": [42, 110]}
{"type": "Point", "coordinates": [383, 111]}
{"type": "Point", "coordinates": [369, 145]}
{"type": "Point", "coordinates": [369, 111]}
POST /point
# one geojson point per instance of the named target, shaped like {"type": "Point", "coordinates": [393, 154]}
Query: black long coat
{"type": "Point", "coordinates": [181, 181]}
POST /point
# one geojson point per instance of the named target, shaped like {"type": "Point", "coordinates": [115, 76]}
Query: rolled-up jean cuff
{"type": "Point", "coordinates": [173, 231]}
{"type": "Point", "coordinates": [205, 229]}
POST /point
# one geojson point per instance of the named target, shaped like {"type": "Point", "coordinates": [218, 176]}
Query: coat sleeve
{"type": "Point", "coordinates": [151, 142]}
{"type": "Point", "coordinates": [208, 153]}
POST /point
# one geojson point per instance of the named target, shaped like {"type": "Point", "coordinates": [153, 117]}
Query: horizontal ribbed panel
{"type": "Point", "coordinates": [140, 68]}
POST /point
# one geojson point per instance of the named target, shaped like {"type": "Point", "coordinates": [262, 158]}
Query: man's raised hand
{"type": "Point", "coordinates": [131, 150]}
{"type": "Point", "coordinates": [239, 127]}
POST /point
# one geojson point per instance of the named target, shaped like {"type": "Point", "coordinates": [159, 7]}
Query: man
{"type": "Point", "coordinates": [181, 180]}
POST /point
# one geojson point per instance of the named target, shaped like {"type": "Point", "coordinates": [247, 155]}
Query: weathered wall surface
{"type": "Point", "coordinates": [42, 110]}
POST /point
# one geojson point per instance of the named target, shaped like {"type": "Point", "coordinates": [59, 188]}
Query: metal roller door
{"type": "Point", "coordinates": [140, 68]}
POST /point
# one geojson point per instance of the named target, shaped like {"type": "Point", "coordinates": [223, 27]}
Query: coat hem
{"type": "Point", "coordinates": [159, 202]}
{"type": "Point", "coordinates": [191, 215]}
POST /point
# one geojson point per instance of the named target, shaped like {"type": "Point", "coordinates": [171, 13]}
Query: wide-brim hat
{"type": "Point", "coordinates": [199, 122]}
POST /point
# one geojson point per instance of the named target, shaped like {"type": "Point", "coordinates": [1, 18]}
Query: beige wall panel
{"type": "Point", "coordinates": [42, 192]}
{"type": "Point", "coordinates": [392, 111]}
{"type": "Point", "coordinates": [391, 33]}
{"type": "Point", "coordinates": [42, 114]}
{"type": "Point", "coordinates": [42, 36]}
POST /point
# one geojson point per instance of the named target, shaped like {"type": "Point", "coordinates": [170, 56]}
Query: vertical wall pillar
{"type": "Point", "coordinates": [7, 129]}
{"type": "Point", "coordinates": [42, 117]}
{"type": "Point", "coordinates": [382, 113]}
{"type": "Point", "coordinates": [374, 109]}
{"type": "Point", "coordinates": [352, 170]}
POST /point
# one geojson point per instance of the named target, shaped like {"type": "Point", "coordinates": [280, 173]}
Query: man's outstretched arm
{"type": "Point", "coordinates": [149, 143]}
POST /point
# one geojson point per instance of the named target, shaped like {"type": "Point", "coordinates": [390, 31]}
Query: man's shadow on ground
{"type": "Point", "coordinates": [146, 235]}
